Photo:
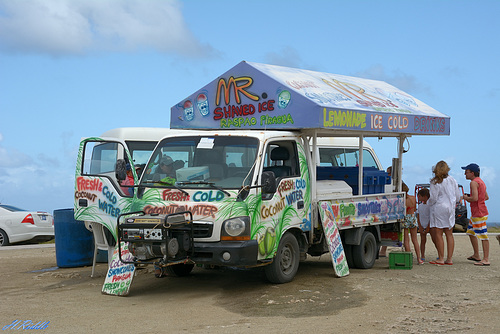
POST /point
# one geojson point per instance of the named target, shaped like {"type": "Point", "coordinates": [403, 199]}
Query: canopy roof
{"type": "Point", "coordinates": [259, 96]}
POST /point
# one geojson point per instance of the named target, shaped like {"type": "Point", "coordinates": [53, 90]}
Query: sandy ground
{"type": "Point", "coordinates": [427, 299]}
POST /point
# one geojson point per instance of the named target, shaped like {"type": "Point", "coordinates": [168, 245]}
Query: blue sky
{"type": "Point", "coordinates": [77, 68]}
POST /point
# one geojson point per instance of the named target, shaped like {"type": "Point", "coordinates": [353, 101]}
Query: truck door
{"type": "Point", "coordinates": [102, 191]}
{"type": "Point", "coordinates": [290, 205]}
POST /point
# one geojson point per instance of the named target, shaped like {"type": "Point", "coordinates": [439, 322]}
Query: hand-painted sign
{"type": "Point", "coordinates": [260, 96]}
{"type": "Point", "coordinates": [372, 208]}
{"type": "Point", "coordinates": [120, 275]}
{"type": "Point", "coordinates": [332, 236]}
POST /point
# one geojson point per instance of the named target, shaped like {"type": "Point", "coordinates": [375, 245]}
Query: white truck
{"type": "Point", "coordinates": [258, 180]}
{"type": "Point", "coordinates": [252, 188]}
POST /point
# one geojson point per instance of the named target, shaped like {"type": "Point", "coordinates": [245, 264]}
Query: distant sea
{"type": "Point", "coordinates": [495, 225]}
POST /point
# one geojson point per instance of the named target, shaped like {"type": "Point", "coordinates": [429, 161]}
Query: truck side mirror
{"type": "Point", "coordinates": [121, 169]}
{"type": "Point", "coordinates": [268, 182]}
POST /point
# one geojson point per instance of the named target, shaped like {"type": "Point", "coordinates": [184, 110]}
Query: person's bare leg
{"type": "Point", "coordinates": [439, 242]}
{"type": "Point", "coordinates": [486, 251]}
{"type": "Point", "coordinates": [423, 241]}
{"type": "Point", "coordinates": [475, 247]}
{"type": "Point", "coordinates": [414, 240]}
{"type": "Point", "coordinates": [406, 240]}
{"type": "Point", "coordinates": [383, 251]}
{"type": "Point", "coordinates": [450, 244]}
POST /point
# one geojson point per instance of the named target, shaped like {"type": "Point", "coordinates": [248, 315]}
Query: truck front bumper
{"type": "Point", "coordinates": [226, 253]}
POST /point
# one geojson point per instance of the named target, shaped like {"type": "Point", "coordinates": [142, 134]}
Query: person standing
{"type": "Point", "coordinates": [444, 195]}
{"type": "Point", "coordinates": [410, 224]}
{"type": "Point", "coordinates": [424, 217]}
{"type": "Point", "coordinates": [479, 214]}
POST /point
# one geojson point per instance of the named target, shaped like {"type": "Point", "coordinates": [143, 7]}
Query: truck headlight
{"type": "Point", "coordinates": [236, 229]}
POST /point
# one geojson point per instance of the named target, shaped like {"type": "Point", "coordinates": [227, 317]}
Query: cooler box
{"type": "Point", "coordinates": [400, 260]}
{"type": "Point", "coordinates": [193, 174]}
{"type": "Point", "coordinates": [374, 180]}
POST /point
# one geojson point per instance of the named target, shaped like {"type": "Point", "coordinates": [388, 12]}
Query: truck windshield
{"type": "Point", "coordinates": [197, 161]}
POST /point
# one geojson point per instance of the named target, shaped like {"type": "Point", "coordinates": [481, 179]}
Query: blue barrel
{"type": "Point", "coordinates": [74, 243]}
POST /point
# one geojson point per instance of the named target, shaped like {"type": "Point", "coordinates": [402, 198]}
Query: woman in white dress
{"type": "Point", "coordinates": [444, 197]}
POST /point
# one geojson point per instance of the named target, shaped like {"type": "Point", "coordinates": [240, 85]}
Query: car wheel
{"type": "Point", "coordinates": [286, 262]}
{"type": "Point", "coordinates": [4, 238]}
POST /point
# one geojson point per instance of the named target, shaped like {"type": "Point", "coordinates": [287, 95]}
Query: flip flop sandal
{"type": "Point", "coordinates": [470, 258]}
{"type": "Point", "coordinates": [438, 263]}
{"type": "Point", "coordinates": [481, 264]}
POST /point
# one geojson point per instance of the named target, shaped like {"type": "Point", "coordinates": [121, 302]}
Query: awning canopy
{"type": "Point", "coordinates": [259, 96]}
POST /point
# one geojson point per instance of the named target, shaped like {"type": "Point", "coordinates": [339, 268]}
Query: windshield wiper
{"type": "Point", "coordinates": [211, 184]}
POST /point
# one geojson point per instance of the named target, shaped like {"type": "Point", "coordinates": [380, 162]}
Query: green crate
{"type": "Point", "coordinates": [400, 260]}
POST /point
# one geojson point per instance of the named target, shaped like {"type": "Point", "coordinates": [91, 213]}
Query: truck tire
{"type": "Point", "coordinates": [365, 253]}
{"type": "Point", "coordinates": [286, 262]}
{"type": "Point", "coordinates": [180, 269]}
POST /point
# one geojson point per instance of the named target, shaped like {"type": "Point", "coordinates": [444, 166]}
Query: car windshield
{"type": "Point", "coordinates": [199, 161]}
{"type": "Point", "coordinates": [10, 208]}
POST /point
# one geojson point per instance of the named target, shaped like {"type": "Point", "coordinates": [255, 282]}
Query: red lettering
{"type": "Point", "coordinates": [174, 195]}
{"type": "Point", "coordinates": [88, 184]}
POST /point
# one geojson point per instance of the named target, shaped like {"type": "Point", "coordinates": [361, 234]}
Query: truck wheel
{"type": "Point", "coordinates": [286, 262]}
{"type": "Point", "coordinates": [180, 269]}
{"type": "Point", "coordinates": [365, 253]}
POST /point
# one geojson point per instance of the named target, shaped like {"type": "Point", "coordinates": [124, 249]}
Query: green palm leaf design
{"type": "Point", "coordinates": [151, 197]}
{"type": "Point", "coordinates": [249, 207]}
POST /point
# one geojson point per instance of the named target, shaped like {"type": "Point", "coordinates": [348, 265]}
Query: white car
{"type": "Point", "coordinates": [17, 225]}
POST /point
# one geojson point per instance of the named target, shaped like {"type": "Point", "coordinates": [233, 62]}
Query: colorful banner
{"type": "Point", "coordinates": [260, 96]}
{"type": "Point", "coordinates": [332, 236]}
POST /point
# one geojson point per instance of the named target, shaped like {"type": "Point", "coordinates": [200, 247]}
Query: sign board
{"type": "Point", "coordinates": [259, 96]}
{"type": "Point", "coordinates": [120, 275]}
{"type": "Point", "coordinates": [332, 236]}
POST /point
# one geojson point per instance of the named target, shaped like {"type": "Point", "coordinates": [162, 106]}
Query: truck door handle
{"type": "Point", "coordinates": [83, 202]}
{"type": "Point", "coordinates": [300, 204]}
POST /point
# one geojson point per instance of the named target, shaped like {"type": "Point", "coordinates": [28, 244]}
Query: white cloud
{"type": "Point", "coordinates": [488, 175]}
{"type": "Point", "coordinates": [62, 27]}
{"type": "Point", "coordinates": [11, 158]}
{"type": "Point", "coordinates": [286, 56]}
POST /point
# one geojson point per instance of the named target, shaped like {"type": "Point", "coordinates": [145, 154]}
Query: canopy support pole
{"type": "Point", "coordinates": [360, 164]}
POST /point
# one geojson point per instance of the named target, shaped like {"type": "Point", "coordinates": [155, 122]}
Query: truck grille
{"type": "Point", "coordinates": [202, 229]}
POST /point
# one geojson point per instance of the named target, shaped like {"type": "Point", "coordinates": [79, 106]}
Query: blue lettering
{"type": "Point", "coordinates": [109, 208]}
{"type": "Point", "coordinates": [208, 196]}
{"type": "Point", "coordinates": [109, 195]}
{"type": "Point", "coordinates": [293, 197]}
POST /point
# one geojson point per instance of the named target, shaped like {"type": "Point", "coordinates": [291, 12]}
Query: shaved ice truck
{"type": "Point", "coordinates": [271, 165]}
